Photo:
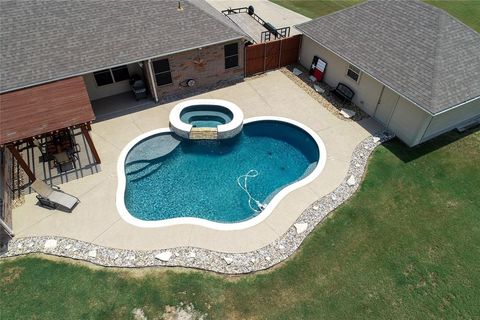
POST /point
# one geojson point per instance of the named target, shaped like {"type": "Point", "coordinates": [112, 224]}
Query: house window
{"type": "Point", "coordinates": [103, 77]}
{"type": "Point", "coordinates": [109, 76]}
{"type": "Point", "coordinates": [353, 73]}
{"type": "Point", "coordinates": [120, 73]}
{"type": "Point", "coordinates": [163, 75]}
{"type": "Point", "coordinates": [231, 55]}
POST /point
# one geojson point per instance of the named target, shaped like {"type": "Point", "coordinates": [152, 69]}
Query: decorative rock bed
{"type": "Point", "coordinates": [322, 93]}
{"type": "Point", "coordinates": [227, 263]}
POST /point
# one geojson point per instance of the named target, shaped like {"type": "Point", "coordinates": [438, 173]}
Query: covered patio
{"type": "Point", "coordinates": [119, 105]}
{"type": "Point", "coordinates": [44, 133]}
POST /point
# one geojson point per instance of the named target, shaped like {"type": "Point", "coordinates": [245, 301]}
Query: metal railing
{"type": "Point", "coordinates": [266, 35]}
{"type": "Point", "coordinates": [243, 10]}
{"type": "Point", "coordinates": [281, 33]}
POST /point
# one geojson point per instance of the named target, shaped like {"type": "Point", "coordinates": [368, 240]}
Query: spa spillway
{"type": "Point", "coordinates": [206, 119]}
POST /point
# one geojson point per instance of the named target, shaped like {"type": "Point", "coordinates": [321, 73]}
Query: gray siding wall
{"type": "Point", "coordinates": [399, 115]}
{"type": "Point", "coordinates": [408, 122]}
{"type": "Point", "coordinates": [451, 119]}
{"type": "Point", "coordinates": [367, 90]}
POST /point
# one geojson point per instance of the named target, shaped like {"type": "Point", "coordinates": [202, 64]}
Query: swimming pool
{"type": "Point", "coordinates": [222, 184]}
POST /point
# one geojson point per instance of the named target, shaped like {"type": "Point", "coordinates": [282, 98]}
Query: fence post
{"type": "Point", "coordinates": [280, 54]}
{"type": "Point", "coordinates": [264, 57]}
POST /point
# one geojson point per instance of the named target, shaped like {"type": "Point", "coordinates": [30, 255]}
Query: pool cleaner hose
{"type": "Point", "coordinates": [257, 206]}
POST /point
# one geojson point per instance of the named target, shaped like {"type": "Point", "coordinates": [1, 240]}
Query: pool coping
{"type": "Point", "coordinates": [205, 259]}
{"type": "Point", "coordinates": [129, 218]}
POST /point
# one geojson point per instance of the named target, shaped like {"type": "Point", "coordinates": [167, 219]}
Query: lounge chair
{"type": "Point", "coordinates": [54, 198]}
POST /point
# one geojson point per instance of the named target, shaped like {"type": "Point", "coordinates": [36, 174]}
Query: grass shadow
{"type": "Point", "coordinates": [409, 154]}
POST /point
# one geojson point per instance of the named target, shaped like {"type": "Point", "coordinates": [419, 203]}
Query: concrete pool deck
{"type": "Point", "coordinates": [96, 220]}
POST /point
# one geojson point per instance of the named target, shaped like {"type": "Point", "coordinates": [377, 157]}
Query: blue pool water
{"type": "Point", "coordinates": [209, 121]}
{"type": "Point", "coordinates": [167, 179]}
{"type": "Point", "coordinates": [206, 115]}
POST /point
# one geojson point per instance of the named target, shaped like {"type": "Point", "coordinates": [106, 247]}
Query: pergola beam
{"type": "Point", "coordinates": [21, 162]}
{"type": "Point", "coordinates": [90, 143]}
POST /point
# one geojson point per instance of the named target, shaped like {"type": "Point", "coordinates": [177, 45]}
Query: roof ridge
{"type": "Point", "coordinates": [443, 18]}
{"type": "Point", "coordinates": [436, 66]}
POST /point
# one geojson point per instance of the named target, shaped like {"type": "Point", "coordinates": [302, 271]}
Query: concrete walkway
{"type": "Point", "coordinates": [96, 219]}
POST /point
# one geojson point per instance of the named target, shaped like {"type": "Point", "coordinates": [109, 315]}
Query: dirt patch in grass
{"type": "Point", "coordinates": [11, 274]}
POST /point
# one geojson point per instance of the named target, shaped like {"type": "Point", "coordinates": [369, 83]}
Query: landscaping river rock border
{"type": "Point", "coordinates": [226, 263]}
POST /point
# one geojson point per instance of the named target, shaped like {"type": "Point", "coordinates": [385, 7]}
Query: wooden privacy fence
{"type": "Point", "coordinates": [271, 55]}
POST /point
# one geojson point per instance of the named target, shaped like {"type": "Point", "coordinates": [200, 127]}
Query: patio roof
{"type": "Point", "coordinates": [42, 109]}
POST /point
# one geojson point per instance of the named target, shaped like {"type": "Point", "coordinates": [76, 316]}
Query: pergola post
{"type": "Point", "coordinates": [21, 162]}
{"type": "Point", "coordinates": [86, 134]}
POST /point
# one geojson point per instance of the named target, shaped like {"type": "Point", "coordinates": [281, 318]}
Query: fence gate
{"type": "Point", "coordinates": [271, 55]}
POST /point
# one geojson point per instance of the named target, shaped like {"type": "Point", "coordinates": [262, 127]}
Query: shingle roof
{"type": "Point", "coordinates": [423, 53]}
{"type": "Point", "coordinates": [42, 41]}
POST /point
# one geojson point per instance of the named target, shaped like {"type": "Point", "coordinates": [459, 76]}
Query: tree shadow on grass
{"type": "Point", "coordinates": [407, 154]}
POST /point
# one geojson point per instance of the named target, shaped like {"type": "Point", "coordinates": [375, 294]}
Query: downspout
{"type": "Point", "coordinates": [300, 44]}
{"type": "Point", "coordinates": [152, 80]}
{"type": "Point", "coordinates": [244, 60]}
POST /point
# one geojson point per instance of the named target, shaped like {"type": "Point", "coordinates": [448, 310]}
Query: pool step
{"type": "Point", "coordinates": [200, 133]}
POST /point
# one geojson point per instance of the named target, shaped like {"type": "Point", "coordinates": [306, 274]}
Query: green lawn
{"type": "Point", "coordinates": [407, 245]}
{"type": "Point", "coordinates": [315, 8]}
{"type": "Point", "coordinates": [466, 10]}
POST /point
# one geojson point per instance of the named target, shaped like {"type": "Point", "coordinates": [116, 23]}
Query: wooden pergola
{"type": "Point", "coordinates": [44, 110]}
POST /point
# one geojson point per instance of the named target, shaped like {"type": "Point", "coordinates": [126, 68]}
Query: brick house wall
{"type": "Point", "coordinates": [206, 66]}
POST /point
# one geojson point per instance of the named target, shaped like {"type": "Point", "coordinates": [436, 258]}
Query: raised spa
{"type": "Point", "coordinates": [203, 119]}
{"type": "Point", "coordinates": [223, 184]}
{"type": "Point", "coordinates": [208, 116]}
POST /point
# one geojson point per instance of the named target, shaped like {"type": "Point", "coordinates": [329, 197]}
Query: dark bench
{"type": "Point", "coordinates": [343, 91]}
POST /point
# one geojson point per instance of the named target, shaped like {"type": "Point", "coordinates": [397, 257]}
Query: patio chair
{"type": "Point", "coordinates": [73, 152]}
{"type": "Point", "coordinates": [54, 198]}
{"type": "Point", "coordinates": [65, 160]}
{"type": "Point", "coordinates": [138, 87]}
{"type": "Point", "coordinates": [62, 160]}
{"type": "Point", "coordinates": [42, 147]}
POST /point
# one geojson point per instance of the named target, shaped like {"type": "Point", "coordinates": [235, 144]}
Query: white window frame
{"type": "Point", "coordinates": [169, 71]}
{"type": "Point", "coordinates": [111, 75]}
{"type": "Point", "coordinates": [232, 55]}
{"type": "Point", "coordinates": [355, 70]}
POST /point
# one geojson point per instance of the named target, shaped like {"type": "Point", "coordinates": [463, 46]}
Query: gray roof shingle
{"type": "Point", "coordinates": [420, 51]}
{"type": "Point", "coordinates": [41, 41]}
